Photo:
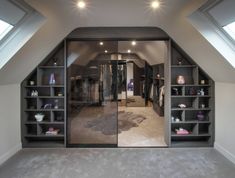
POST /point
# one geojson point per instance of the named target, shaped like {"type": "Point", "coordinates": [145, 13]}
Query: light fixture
{"type": "Point", "coordinates": [101, 43]}
{"type": "Point", "coordinates": [129, 51]}
{"type": "Point", "coordinates": [133, 43]}
{"type": "Point", "coordinates": [106, 51]}
{"type": "Point", "coordinates": [155, 4]}
{"type": "Point", "coordinates": [81, 4]}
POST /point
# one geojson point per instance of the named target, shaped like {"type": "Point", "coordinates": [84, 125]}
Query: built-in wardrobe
{"type": "Point", "coordinates": [46, 115]}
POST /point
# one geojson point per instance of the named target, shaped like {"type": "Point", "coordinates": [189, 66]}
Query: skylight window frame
{"type": "Point", "coordinates": [220, 30]}
{"type": "Point", "coordinates": [24, 7]}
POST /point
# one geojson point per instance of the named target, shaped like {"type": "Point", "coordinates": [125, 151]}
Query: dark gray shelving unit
{"type": "Point", "coordinates": [201, 131]}
{"type": "Point", "coordinates": [34, 132]}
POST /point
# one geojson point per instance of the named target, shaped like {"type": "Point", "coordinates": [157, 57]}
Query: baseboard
{"type": "Point", "coordinates": [225, 152]}
{"type": "Point", "coordinates": [10, 153]}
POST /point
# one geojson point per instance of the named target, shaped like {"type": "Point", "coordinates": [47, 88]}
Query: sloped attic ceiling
{"type": "Point", "coordinates": [63, 17]}
{"type": "Point", "coordinates": [154, 52]}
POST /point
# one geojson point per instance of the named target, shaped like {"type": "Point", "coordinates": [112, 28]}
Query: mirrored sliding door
{"type": "Point", "coordinates": [91, 93]}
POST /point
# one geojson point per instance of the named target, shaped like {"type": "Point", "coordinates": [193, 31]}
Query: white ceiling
{"type": "Point", "coordinates": [107, 12]}
{"type": "Point", "coordinates": [154, 52]}
{"type": "Point", "coordinates": [63, 17]}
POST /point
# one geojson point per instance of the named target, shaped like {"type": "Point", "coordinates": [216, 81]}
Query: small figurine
{"type": "Point", "coordinates": [55, 61]}
{"type": "Point", "coordinates": [202, 92]}
{"type": "Point", "coordinates": [180, 61]}
{"type": "Point", "coordinates": [198, 92]}
{"type": "Point", "coordinates": [203, 105]}
{"type": "Point", "coordinates": [34, 93]}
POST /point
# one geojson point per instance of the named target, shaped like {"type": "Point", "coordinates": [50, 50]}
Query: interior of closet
{"type": "Point", "coordinates": [112, 95]}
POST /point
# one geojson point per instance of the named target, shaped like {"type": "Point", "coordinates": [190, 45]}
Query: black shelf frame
{"type": "Point", "coordinates": [33, 132]}
{"type": "Point", "coordinates": [201, 133]}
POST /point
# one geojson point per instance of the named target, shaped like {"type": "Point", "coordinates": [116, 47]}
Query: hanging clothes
{"type": "Point", "coordinates": [151, 92]}
{"type": "Point", "coordinates": [161, 95]}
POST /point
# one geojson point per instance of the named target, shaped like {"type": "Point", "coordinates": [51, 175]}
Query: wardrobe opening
{"type": "Point", "coordinates": [115, 93]}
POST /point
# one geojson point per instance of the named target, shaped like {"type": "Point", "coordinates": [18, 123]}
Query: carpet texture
{"type": "Point", "coordinates": [118, 163]}
{"type": "Point", "coordinates": [135, 101]}
{"type": "Point", "coordinates": [107, 124]}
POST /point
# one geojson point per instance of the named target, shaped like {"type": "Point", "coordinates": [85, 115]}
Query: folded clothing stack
{"type": "Point", "coordinates": [181, 131]}
{"type": "Point", "coordinates": [52, 131]}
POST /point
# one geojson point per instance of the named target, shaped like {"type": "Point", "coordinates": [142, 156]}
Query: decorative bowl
{"type": "Point", "coordinates": [39, 117]}
{"type": "Point", "coordinates": [182, 105]}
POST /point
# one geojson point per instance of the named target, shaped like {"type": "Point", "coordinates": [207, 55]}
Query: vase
{"type": "Point", "coordinates": [200, 116]}
{"type": "Point", "coordinates": [52, 79]}
{"type": "Point", "coordinates": [180, 80]}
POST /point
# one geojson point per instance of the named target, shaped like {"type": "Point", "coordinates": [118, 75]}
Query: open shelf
{"type": "Point", "coordinates": [190, 143]}
{"type": "Point", "coordinates": [44, 122]}
{"type": "Point", "coordinates": [35, 142]}
{"type": "Point", "coordinates": [37, 93]}
{"type": "Point", "coordinates": [44, 135]}
{"type": "Point", "coordinates": [197, 93]}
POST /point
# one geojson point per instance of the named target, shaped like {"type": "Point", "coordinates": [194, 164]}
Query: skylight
{"type": "Point", "coordinates": [215, 20]}
{"type": "Point", "coordinates": [230, 29]}
{"type": "Point", "coordinates": [4, 28]}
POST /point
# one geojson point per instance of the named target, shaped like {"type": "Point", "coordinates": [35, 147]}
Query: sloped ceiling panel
{"type": "Point", "coordinates": [63, 17]}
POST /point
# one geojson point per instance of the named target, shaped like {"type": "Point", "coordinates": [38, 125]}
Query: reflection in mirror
{"type": "Point", "coordinates": [92, 98]}
{"type": "Point", "coordinates": [121, 82]}
{"type": "Point", "coordinates": [135, 85]}
{"type": "Point", "coordinates": [130, 80]}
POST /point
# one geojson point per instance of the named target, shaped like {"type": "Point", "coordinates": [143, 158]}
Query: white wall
{"type": "Point", "coordinates": [10, 141]}
{"type": "Point", "coordinates": [61, 20]}
{"type": "Point", "coordinates": [225, 119]}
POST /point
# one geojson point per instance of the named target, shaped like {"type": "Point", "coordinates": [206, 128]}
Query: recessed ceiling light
{"type": "Point", "coordinates": [129, 51]}
{"type": "Point", "coordinates": [101, 43]}
{"type": "Point", "coordinates": [106, 51]}
{"type": "Point", "coordinates": [133, 43]}
{"type": "Point", "coordinates": [81, 4]}
{"type": "Point", "coordinates": [155, 4]}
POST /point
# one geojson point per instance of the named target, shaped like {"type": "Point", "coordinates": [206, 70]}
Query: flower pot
{"type": "Point", "coordinates": [39, 117]}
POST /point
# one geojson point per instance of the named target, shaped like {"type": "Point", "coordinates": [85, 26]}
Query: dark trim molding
{"type": "Point", "coordinates": [118, 33]}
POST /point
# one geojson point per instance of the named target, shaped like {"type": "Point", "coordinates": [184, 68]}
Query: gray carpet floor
{"type": "Point", "coordinates": [118, 163]}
